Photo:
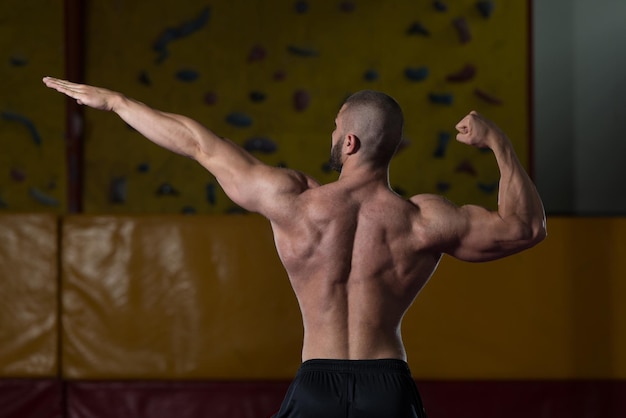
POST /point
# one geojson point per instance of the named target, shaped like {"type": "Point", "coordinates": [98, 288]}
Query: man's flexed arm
{"type": "Point", "coordinates": [475, 234]}
{"type": "Point", "coordinates": [246, 180]}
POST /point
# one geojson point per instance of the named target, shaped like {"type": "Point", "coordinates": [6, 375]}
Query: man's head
{"type": "Point", "coordinates": [369, 124]}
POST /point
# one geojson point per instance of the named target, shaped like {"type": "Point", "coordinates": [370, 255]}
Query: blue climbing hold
{"type": "Point", "coordinates": [239, 119]}
{"type": "Point", "coordinates": [442, 144]}
{"type": "Point", "coordinates": [14, 117]}
{"type": "Point", "coordinates": [187, 75]}
{"type": "Point", "coordinates": [371, 75]}
{"type": "Point", "coordinates": [487, 188]}
{"type": "Point", "coordinates": [416, 74]}
{"type": "Point", "coordinates": [181, 31]}
{"type": "Point", "coordinates": [485, 8]}
{"type": "Point", "coordinates": [42, 198]}
{"type": "Point", "coordinates": [18, 61]}
{"type": "Point", "coordinates": [257, 96]}
{"type": "Point", "coordinates": [441, 98]}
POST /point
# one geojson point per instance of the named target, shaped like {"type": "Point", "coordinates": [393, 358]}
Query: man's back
{"type": "Point", "coordinates": [355, 255]}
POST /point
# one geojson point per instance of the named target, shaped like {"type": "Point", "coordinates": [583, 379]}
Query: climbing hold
{"type": "Point", "coordinates": [279, 75]}
{"type": "Point", "coordinates": [301, 100]}
{"type": "Point", "coordinates": [14, 117]}
{"type": "Point", "coordinates": [462, 29]}
{"type": "Point", "coordinates": [42, 198]}
{"type": "Point", "coordinates": [464, 74]}
{"type": "Point", "coordinates": [260, 144]}
{"type": "Point", "coordinates": [441, 98]}
{"type": "Point", "coordinates": [18, 175]}
{"type": "Point", "coordinates": [18, 61]}
{"type": "Point", "coordinates": [3, 204]}
{"type": "Point", "coordinates": [302, 51]}
{"type": "Point", "coordinates": [442, 186]}
{"type": "Point", "coordinates": [466, 166]}
{"type": "Point", "coordinates": [485, 8]}
{"type": "Point", "coordinates": [144, 78]}
{"type": "Point", "coordinates": [440, 6]}
{"type": "Point", "coordinates": [210, 194]}
{"type": "Point", "coordinates": [257, 53]}
{"type": "Point", "coordinates": [488, 97]}
{"type": "Point", "coordinates": [301, 7]}
{"type": "Point", "coordinates": [210, 98]}
{"type": "Point", "coordinates": [181, 31]}
{"type": "Point", "coordinates": [118, 190]}
{"type": "Point", "coordinates": [239, 119]}
{"type": "Point", "coordinates": [166, 189]}
{"type": "Point", "coordinates": [187, 75]}
{"type": "Point", "coordinates": [257, 96]}
{"type": "Point", "coordinates": [442, 144]}
{"type": "Point", "coordinates": [487, 187]}
{"type": "Point", "coordinates": [371, 75]}
{"type": "Point", "coordinates": [417, 28]}
{"type": "Point", "coordinates": [416, 74]}
{"type": "Point", "coordinates": [143, 167]}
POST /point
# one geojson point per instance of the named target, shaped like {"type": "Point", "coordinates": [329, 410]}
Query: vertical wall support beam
{"type": "Point", "coordinates": [74, 120]}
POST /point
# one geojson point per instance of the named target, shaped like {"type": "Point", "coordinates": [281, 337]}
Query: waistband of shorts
{"type": "Point", "coordinates": [355, 366]}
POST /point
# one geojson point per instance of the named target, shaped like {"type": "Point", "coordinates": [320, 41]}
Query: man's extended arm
{"type": "Point", "coordinates": [248, 182]}
{"type": "Point", "coordinates": [473, 233]}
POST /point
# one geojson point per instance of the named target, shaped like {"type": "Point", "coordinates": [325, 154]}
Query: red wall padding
{"type": "Point", "coordinates": [48, 398]}
{"type": "Point", "coordinates": [174, 399]}
{"type": "Point", "coordinates": [25, 398]}
{"type": "Point", "coordinates": [525, 399]}
{"type": "Point", "coordinates": [442, 399]}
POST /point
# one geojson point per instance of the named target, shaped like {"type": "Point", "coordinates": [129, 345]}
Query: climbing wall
{"type": "Point", "coordinates": [32, 150]}
{"type": "Point", "coordinates": [272, 75]}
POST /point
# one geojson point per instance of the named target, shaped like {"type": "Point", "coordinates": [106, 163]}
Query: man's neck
{"type": "Point", "coordinates": [364, 174]}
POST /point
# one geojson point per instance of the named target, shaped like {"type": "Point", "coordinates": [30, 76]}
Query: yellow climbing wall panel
{"type": "Point", "coordinates": [32, 121]}
{"type": "Point", "coordinates": [272, 75]}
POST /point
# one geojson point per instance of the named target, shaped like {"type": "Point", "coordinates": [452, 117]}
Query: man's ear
{"type": "Point", "coordinates": [352, 144]}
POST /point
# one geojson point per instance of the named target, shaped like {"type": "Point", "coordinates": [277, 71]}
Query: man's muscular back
{"type": "Point", "coordinates": [356, 256]}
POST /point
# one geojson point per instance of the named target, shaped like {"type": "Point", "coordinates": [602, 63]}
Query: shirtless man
{"type": "Point", "coordinates": [356, 253]}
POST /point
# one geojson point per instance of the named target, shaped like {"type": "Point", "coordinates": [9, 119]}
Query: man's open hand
{"type": "Point", "coordinates": [95, 97]}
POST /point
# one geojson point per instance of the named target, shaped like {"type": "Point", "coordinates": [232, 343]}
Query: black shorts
{"type": "Point", "coordinates": [352, 389]}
